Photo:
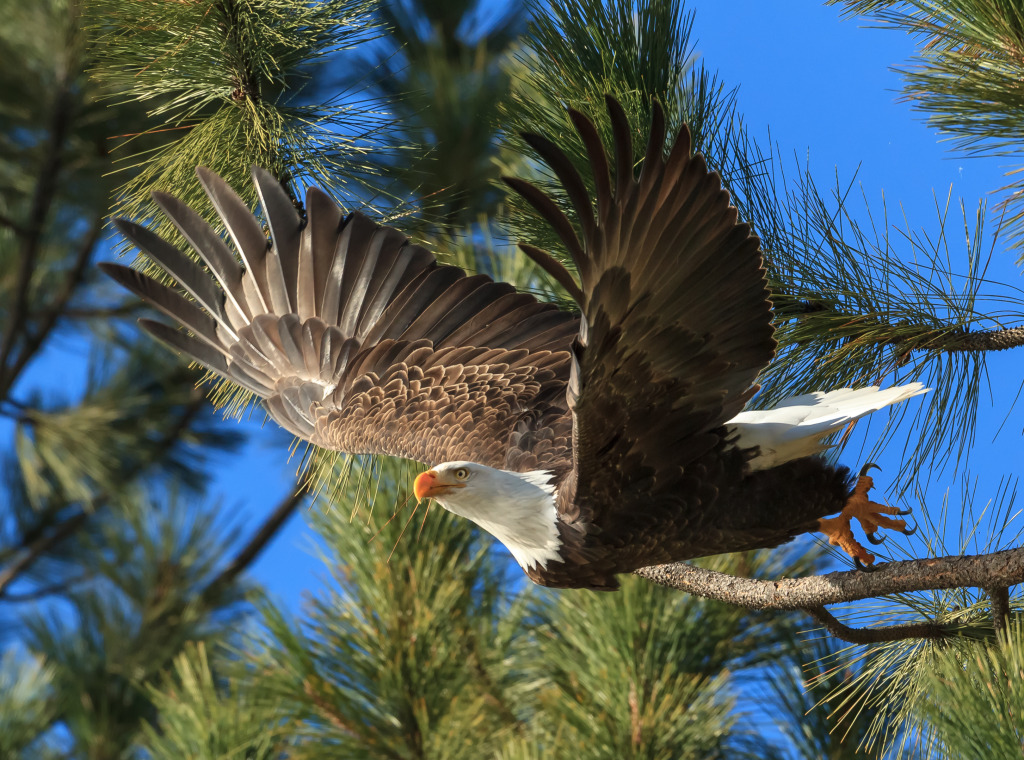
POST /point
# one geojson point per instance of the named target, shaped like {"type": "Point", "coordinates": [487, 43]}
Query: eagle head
{"type": "Point", "coordinates": [517, 508]}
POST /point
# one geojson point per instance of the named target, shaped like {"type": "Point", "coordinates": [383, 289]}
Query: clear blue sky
{"type": "Point", "coordinates": [825, 89]}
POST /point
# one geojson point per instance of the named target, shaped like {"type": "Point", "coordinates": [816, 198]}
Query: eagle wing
{"type": "Point", "coordinates": [676, 326]}
{"type": "Point", "coordinates": [356, 339]}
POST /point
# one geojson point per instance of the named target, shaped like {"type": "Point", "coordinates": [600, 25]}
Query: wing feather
{"type": "Point", "coordinates": [554, 216]}
{"type": "Point", "coordinates": [170, 302]}
{"type": "Point", "coordinates": [358, 340]}
{"type": "Point", "coordinates": [571, 180]}
{"type": "Point", "coordinates": [598, 161]}
{"type": "Point", "coordinates": [676, 326]}
{"type": "Point", "coordinates": [212, 250]}
{"type": "Point", "coordinates": [182, 268]}
{"type": "Point", "coordinates": [285, 233]}
{"type": "Point", "coordinates": [320, 235]}
{"type": "Point", "coordinates": [205, 355]}
{"type": "Point", "coordinates": [247, 235]}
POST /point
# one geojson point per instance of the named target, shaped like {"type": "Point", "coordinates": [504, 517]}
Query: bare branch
{"type": "Point", "coordinates": [259, 540]}
{"type": "Point", "coordinates": [1000, 596]}
{"type": "Point", "coordinates": [830, 623]}
{"type": "Point", "coordinates": [57, 307]}
{"type": "Point", "coordinates": [127, 309]}
{"type": "Point", "coordinates": [1005, 568]}
{"type": "Point", "coordinates": [42, 199]}
{"type": "Point", "coordinates": [42, 592]}
{"type": "Point", "coordinates": [40, 546]}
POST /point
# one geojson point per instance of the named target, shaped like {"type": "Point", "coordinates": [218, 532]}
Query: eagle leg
{"type": "Point", "coordinates": [871, 517]}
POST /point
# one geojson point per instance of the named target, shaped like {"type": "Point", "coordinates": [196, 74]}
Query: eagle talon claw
{"type": "Point", "coordinates": [904, 512]}
{"type": "Point", "coordinates": [862, 567]}
{"type": "Point", "coordinates": [868, 466]}
{"type": "Point", "coordinates": [876, 539]}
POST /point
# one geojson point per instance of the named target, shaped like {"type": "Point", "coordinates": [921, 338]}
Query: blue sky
{"type": "Point", "coordinates": [825, 90]}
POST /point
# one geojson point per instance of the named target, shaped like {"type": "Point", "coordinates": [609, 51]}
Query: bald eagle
{"type": "Point", "coordinates": [589, 444]}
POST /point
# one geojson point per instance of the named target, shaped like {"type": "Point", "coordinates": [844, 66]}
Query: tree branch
{"type": "Point", "coordinates": [949, 339]}
{"type": "Point", "coordinates": [1000, 596]}
{"type": "Point", "coordinates": [1005, 568]}
{"type": "Point", "coordinates": [57, 306]}
{"type": "Point", "coordinates": [42, 199]}
{"type": "Point", "coordinates": [990, 340]}
{"type": "Point", "coordinates": [830, 623]}
{"type": "Point", "coordinates": [42, 592]}
{"type": "Point", "coordinates": [40, 546]}
{"type": "Point", "coordinates": [259, 540]}
{"type": "Point", "coordinates": [127, 309]}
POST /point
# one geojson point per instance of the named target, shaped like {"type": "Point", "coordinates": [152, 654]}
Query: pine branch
{"type": "Point", "coordinates": [259, 540]}
{"type": "Point", "coordinates": [42, 200]}
{"type": "Point", "coordinates": [990, 340]}
{"type": "Point", "coordinates": [71, 525]}
{"type": "Point", "coordinates": [996, 570]}
{"type": "Point", "coordinates": [910, 337]}
{"type": "Point", "coordinates": [231, 76]}
{"type": "Point", "coordinates": [491, 690]}
{"type": "Point", "coordinates": [10, 224]}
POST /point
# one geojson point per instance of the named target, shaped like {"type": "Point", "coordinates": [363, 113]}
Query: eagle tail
{"type": "Point", "coordinates": [799, 426]}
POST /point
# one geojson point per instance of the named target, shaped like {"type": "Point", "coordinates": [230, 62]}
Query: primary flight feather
{"type": "Point", "coordinates": [589, 445]}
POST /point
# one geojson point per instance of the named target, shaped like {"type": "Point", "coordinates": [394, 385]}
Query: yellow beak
{"type": "Point", "coordinates": [430, 485]}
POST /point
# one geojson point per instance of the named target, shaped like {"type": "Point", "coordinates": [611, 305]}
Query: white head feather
{"type": "Point", "coordinates": [517, 508]}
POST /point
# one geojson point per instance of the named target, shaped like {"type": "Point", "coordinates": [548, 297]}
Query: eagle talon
{"type": "Point", "coordinates": [873, 517]}
{"type": "Point", "coordinates": [904, 512]}
{"type": "Point", "coordinates": [862, 567]}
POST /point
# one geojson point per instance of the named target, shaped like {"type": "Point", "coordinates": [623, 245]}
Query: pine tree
{"type": "Point", "coordinates": [111, 557]}
{"type": "Point", "coordinates": [441, 69]}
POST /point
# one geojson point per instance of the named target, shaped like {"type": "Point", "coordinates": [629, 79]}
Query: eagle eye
{"type": "Point", "coordinates": [461, 474]}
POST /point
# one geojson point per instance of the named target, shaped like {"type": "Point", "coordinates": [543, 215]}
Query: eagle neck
{"type": "Point", "coordinates": [524, 517]}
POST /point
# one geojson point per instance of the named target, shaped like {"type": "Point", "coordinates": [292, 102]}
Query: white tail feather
{"type": "Point", "coordinates": [797, 426]}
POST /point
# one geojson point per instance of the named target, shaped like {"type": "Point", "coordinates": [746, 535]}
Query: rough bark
{"type": "Point", "coordinates": [998, 570]}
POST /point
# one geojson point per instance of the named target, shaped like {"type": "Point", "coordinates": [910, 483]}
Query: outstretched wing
{"type": "Point", "coordinates": [356, 339]}
{"type": "Point", "coordinates": [676, 327]}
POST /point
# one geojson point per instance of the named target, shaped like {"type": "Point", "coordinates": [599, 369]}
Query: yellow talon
{"type": "Point", "coordinates": [869, 514]}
